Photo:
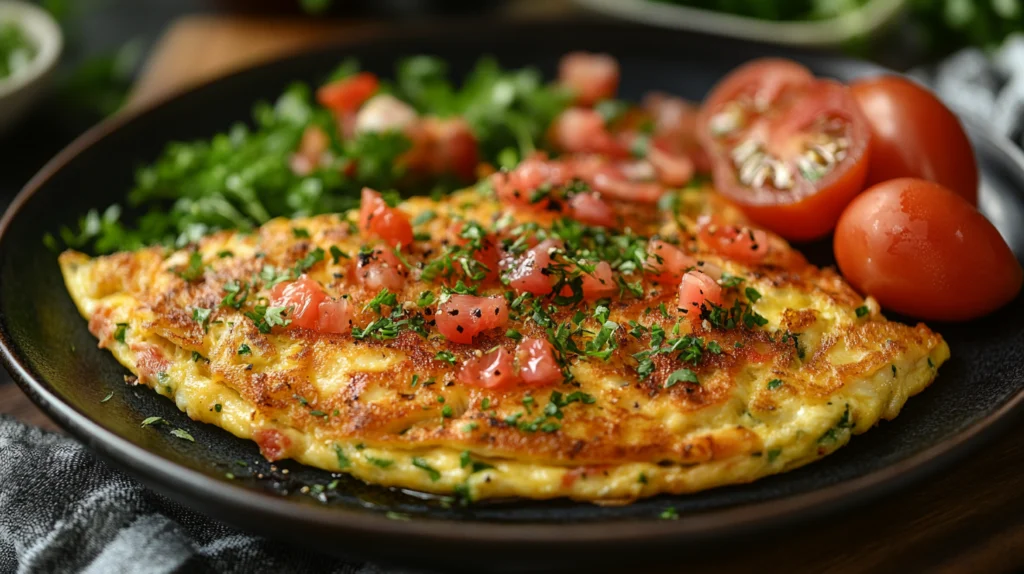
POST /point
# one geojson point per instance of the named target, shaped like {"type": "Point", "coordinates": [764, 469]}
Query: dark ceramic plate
{"type": "Point", "coordinates": [54, 358]}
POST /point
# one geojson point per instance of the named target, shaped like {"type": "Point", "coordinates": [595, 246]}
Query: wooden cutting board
{"type": "Point", "coordinates": [967, 519]}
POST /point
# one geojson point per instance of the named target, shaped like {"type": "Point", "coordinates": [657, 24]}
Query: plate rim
{"type": "Point", "coordinates": [191, 486]}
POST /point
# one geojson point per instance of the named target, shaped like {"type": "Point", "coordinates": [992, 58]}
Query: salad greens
{"type": "Point", "coordinates": [775, 10]}
{"type": "Point", "coordinates": [241, 178]}
{"type": "Point", "coordinates": [16, 49]}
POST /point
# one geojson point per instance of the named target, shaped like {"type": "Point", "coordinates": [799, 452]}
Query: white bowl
{"type": "Point", "coordinates": [21, 90]}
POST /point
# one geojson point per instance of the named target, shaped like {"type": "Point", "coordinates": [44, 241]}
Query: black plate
{"type": "Point", "coordinates": [54, 358]}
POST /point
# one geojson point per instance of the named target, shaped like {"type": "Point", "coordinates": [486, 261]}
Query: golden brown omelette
{"type": "Point", "coordinates": [670, 350]}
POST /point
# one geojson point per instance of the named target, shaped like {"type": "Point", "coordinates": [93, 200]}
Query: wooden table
{"type": "Point", "coordinates": [968, 519]}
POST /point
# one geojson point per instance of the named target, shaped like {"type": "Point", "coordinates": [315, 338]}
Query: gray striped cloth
{"type": "Point", "coordinates": [62, 510]}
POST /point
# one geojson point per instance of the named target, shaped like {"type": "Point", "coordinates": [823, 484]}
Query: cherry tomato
{"type": "Point", "coordinates": [380, 268]}
{"type": "Point", "coordinates": [347, 94]}
{"type": "Point", "coordinates": [442, 146]}
{"type": "Point", "coordinates": [913, 134]}
{"type": "Point", "coordinates": [492, 371]}
{"type": "Point", "coordinates": [463, 317]}
{"type": "Point", "coordinates": [740, 243]}
{"type": "Point", "coordinates": [591, 77]}
{"type": "Point", "coordinates": [537, 364]}
{"type": "Point", "coordinates": [377, 218]}
{"type": "Point", "coordinates": [922, 250]}
{"type": "Point", "coordinates": [695, 291]}
{"type": "Point", "coordinates": [667, 263]}
{"type": "Point", "coordinates": [790, 150]}
{"type": "Point", "coordinates": [302, 297]}
{"type": "Point", "coordinates": [532, 274]}
{"type": "Point", "coordinates": [335, 316]}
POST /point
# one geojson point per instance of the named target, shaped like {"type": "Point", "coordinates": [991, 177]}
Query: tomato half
{"type": "Point", "coordinates": [913, 134]}
{"type": "Point", "coordinates": [591, 77]}
{"type": "Point", "coordinates": [796, 168]}
{"type": "Point", "coordinates": [922, 250]}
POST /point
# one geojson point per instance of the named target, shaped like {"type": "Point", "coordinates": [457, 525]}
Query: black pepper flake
{"type": "Point", "coordinates": [477, 313]}
{"type": "Point", "coordinates": [459, 328]}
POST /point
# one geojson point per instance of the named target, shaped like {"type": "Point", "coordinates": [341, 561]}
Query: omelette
{"type": "Point", "coordinates": [627, 393]}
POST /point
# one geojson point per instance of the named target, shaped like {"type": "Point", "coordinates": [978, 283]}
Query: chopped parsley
{"type": "Point", "coordinates": [432, 472]}
{"type": "Point", "coordinates": [729, 281]}
{"type": "Point", "coordinates": [202, 316]}
{"type": "Point", "coordinates": [446, 356]}
{"type": "Point", "coordinates": [774, 454]}
{"type": "Point", "coordinates": [683, 375]}
{"type": "Point", "coordinates": [774, 384]}
{"type": "Point", "coordinates": [109, 396]}
{"type": "Point", "coordinates": [244, 349]}
{"type": "Point", "coordinates": [150, 421]}
{"type": "Point", "coordinates": [194, 270]}
{"type": "Point", "coordinates": [752, 294]}
{"type": "Point", "coordinates": [669, 513]}
{"type": "Point", "coordinates": [306, 263]}
{"type": "Point", "coordinates": [217, 407]}
{"type": "Point", "coordinates": [300, 232]}
{"type": "Point", "coordinates": [120, 332]}
{"type": "Point", "coordinates": [380, 462]}
{"type": "Point", "coordinates": [237, 293]}
{"type": "Point", "coordinates": [183, 435]}
{"type": "Point", "coordinates": [424, 217]}
{"type": "Point", "coordinates": [267, 318]}
{"type": "Point", "coordinates": [343, 461]}
{"type": "Point", "coordinates": [384, 297]}
{"type": "Point", "coordinates": [832, 434]}
{"type": "Point", "coordinates": [425, 299]}
{"type": "Point", "coordinates": [337, 254]}
{"type": "Point", "coordinates": [862, 311]}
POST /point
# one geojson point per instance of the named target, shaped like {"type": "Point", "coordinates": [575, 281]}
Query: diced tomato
{"type": "Point", "coordinates": [638, 191]}
{"type": "Point", "coordinates": [600, 283]}
{"type": "Point", "coordinates": [673, 170]}
{"type": "Point", "coordinates": [740, 243]}
{"type": "Point", "coordinates": [463, 317]}
{"type": "Point", "coordinates": [675, 128]}
{"type": "Point", "coordinates": [274, 444]}
{"type": "Point", "coordinates": [537, 364]}
{"type": "Point", "coordinates": [335, 316]}
{"type": "Point", "coordinates": [591, 77]}
{"type": "Point", "coordinates": [582, 130]}
{"type": "Point", "coordinates": [696, 290]}
{"type": "Point", "coordinates": [444, 146]}
{"type": "Point", "coordinates": [667, 263]}
{"type": "Point", "coordinates": [384, 113]}
{"type": "Point", "coordinates": [517, 186]}
{"type": "Point", "coordinates": [149, 360]}
{"type": "Point", "coordinates": [102, 327]}
{"type": "Point", "coordinates": [381, 268]}
{"type": "Point", "coordinates": [377, 218]}
{"type": "Point", "coordinates": [621, 180]}
{"type": "Point", "coordinates": [302, 297]}
{"type": "Point", "coordinates": [347, 94]}
{"type": "Point", "coordinates": [589, 208]}
{"type": "Point", "coordinates": [312, 146]}
{"type": "Point", "coordinates": [491, 371]}
{"type": "Point", "coordinates": [532, 273]}
{"type": "Point", "coordinates": [486, 255]}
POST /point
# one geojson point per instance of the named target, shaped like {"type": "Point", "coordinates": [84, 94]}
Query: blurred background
{"type": "Point", "coordinates": [107, 43]}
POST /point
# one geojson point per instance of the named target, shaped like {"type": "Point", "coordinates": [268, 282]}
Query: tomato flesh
{"type": "Point", "coordinates": [600, 283]}
{"type": "Point", "coordinates": [922, 250]}
{"type": "Point", "coordinates": [491, 371]}
{"type": "Point", "coordinates": [789, 150]}
{"type": "Point", "coordinates": [740, 243]}
{"type": "Point", "coordinates": [443, 146]}
{"type": "Point", "coordinates": [335, 316]}
{"type": "Point", "coordinates": [583, 130]}
{"type": "Point", "coordinates": [463, 317]}
{"type": "Point", "coordinates": [590, 209]}
{"type": "Point", "coordinates": [667, 263]}
{"type": "Point", "coordinates": [347, 94]}
{"type": "Point", "coordinates": [913, 134]}
{"type": "Point", "coordinates": [377, 218]}
{"type": "Point", "coordinates": [380, 268]}
{"type": "Point", "coordinates": [696, 290]}
{"type": "Point", "coordinates": [302, 297]}
{"type": "Point", "coordinates": [532, 273]}
{"type": "Point", "coordinates": [537, 364]}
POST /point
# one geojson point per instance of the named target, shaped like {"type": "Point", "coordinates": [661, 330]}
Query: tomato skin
{"type": "Point", "coordinates": [303, 298]}
{"type": "Point", "coordinates": [537, 364]}
{"type": "Point", "coordinates": [591, 77]}
{"type": "Point", "coordinates": [696, 290]}
{"type": "Point", "coordinates": [915, 135]}
{"type": "Point", "coordinates": [922, 250]}
{"type": "Point", "coordinates": [492, 371]}
{"type": "Point", "coordinates": [463, 317]}
{"type": "Point", "coordinates": [377, 218]}
{"type": "Point", "coordinates": [582, 130]}
{"type": "Point", "coordinates": [347, 94]}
